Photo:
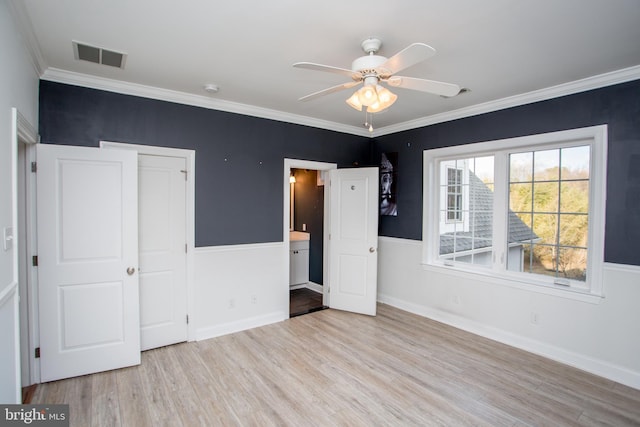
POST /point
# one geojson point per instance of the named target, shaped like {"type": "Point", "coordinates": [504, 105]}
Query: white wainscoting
{"type": "Point", "coordinates": [10, 339]}
{"type": "Point", "coordinates": [603, 338]}
{"type": "Point", "coordinates": [239, 287]}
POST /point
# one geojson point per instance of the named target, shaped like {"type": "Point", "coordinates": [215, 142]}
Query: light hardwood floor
{"type": "Point", "coordinates": [337, 368]}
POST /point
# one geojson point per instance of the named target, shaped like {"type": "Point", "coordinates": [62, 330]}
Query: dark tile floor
{"type": "Point", "coordinates": [303, 301]}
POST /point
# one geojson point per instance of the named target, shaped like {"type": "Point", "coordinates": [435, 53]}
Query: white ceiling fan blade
{"type": "Point", "coordinates": [326, 68]}
{"type": "Point", "coordinates": [412, 54]}
{"type": "Point", "coordinates": [328, 91]}
{"type": "Point", "coordinates": [431, 86]}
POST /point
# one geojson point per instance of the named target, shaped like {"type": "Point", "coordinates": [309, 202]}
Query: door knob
{"type": "Point", "coordinates": [131, 270]}
{"type": "Point", "coordinates": [372, 249]}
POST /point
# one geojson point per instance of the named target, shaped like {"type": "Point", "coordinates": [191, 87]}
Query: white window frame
{"type": "Point", "coordinates": [592, 289]}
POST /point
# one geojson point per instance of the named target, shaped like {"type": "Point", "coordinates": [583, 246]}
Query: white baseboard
{"type": "Point", "coordinates": [314, 287]}
{"type": "Point", "coordinates": [598, 367]}
{"type": "Point", "coordinates": [309, 285]}
{"type": "Point", "coordinates": [240, 325]}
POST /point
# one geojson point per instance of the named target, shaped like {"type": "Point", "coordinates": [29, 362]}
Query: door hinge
{"type": "Point", "coordinates": [185, 173]}
{"type": "Point", "coordinates": [187, 319]}
{"type": "Point", "coordinates": [37, 352]}
{"type": "Point", "coordinates": [34, 260]}
{"type": "Point", "coordinates": [185, 248]}
{"type": "Point", "coordinates": [34, 167]}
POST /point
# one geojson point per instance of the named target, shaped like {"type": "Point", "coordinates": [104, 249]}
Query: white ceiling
{"type": "Point", "coordinates": [505, 51]}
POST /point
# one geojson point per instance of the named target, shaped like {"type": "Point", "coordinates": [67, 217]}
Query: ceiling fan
{"type": "Point", "coordinates": [372, 69]}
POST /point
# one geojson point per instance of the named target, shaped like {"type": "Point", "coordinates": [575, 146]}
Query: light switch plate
{"type": "Point", "coordinates": [7, 238]}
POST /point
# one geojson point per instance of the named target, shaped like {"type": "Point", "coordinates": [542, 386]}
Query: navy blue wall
{"type": "Point", "coordinates": [240, 200]}
{"type": "Point", "coordinates": [618, 106]}
{"type": "Point", "coordinates": [239, 159]}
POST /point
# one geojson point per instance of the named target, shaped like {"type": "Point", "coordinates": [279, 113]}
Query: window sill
{"type": "Point", "coordinates": [516, 283]}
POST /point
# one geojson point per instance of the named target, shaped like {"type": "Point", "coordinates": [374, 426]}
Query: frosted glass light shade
{"type": "Point", "coordinates": [354, 102]}
{"type": "Point", "coordinates": [386, 98]}
{"type": "Point", "coordinates": [367, 95]}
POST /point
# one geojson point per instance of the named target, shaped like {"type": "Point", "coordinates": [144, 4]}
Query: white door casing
{"type": "Point", "coordinates": [87, 220]}
{"type": "Point", "coordinates": [353, 257]}
{"type": "Point", "coordinates": [162, 250]}
{"type": "Point", "coordinates": [322, 169]}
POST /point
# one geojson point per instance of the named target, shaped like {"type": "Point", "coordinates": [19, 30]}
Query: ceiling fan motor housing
{"type": "Point", "coordinates": [367, 65]}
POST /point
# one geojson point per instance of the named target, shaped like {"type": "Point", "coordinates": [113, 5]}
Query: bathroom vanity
{"type": "Point", "coordinates": [298, 258]}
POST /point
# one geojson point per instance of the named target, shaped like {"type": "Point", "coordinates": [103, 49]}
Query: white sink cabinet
{"type": "Point", "coordinates": [298, 258]}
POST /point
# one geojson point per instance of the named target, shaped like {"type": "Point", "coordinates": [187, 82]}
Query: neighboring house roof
{"type": "Point", "coordinates": [480, 232]}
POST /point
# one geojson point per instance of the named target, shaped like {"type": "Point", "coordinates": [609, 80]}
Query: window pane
{"type": "Point", "coordinates": [545, 197]}
{"type": "Point", "coordinates": [482, 243]}
{"type": "Point", "coordinates": [545, 226]}
{"type": "Point", "coordinates": [544, 260]}
{"type": "Point", "coordinates": [572, 264]}
{"type": "Point", "coordinates": [481, 224]}
{"type": "Point", "coordinates": [520, 259]}
{"type": "Point", "coordinates": [520, 167]}
{"type": "Point", "coordinates": [467, 198]}
{"type": "Point", "coordinates": [546, 165]}
{"type": "Point", "coordinates": [482, 167]}
{"type": "Point", "coordinates": [574, 230]}
{"type": "Point", "coordinates": [520, 197]}
{"type": "Point", "coordinates": [575, 161]}
{"type": "Point", "coordinates": [462, 244]}
{"type": "Point", "coordinates": [520, 229]}
{"type": "Point", "coordinates": [574, 196]}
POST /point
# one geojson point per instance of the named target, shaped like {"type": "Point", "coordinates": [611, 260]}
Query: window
{"type": "Point", "coordinates": [529, 210]}
{"type": "Point", "coordinates": [466, 233]}
{"type": "Point", "coordinates": [549, 193]}
{"type": "Point", "coordinates": [454, 194]}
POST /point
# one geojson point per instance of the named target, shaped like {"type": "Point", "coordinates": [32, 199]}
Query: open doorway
{"type": "Point", "coordinates": [306, 242]}
{"type": "Point", "coordinates": [305, 223]}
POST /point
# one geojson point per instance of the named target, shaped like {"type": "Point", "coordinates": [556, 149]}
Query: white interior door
{"type": "Point", "coordinates": [162, 250]}
{"type": "Point", "coordinates": [353, 240]}
{"type": "Point", "coordinates": [87, 221]}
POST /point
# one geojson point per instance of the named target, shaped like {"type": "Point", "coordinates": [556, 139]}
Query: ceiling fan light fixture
{"type": "Point", "coordinates": [386, 98]}
{"type": "Point", "coordinates": [354, 102]}
{"type": "Point", "coordinates": [367, 95]}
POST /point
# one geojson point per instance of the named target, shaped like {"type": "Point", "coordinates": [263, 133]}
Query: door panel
{"type": "Point", "coordinates": [353, 240]}
{"type": "Point", "coordinates": [162, 222]}
{"type": "Point", "coordinates": [87, 239]}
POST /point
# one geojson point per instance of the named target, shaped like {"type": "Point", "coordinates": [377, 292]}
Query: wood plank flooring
{"type": "Point", "coordinates": [304, 301]}
{"type": "Point", "coordinates": [332, 368]}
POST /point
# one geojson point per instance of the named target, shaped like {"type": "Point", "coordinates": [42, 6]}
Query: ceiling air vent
{"type": "Point", "coordinates": [98, 55]}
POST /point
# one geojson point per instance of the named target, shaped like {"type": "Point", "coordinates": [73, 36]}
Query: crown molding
{"type": "Point", "coordinates": [25, 29]}
{"type": "Point", "coordinates": [582, 85]}
{"type": "Point", "coordinates": [111, 85]}
{"type": "Point", "coordinates": [127, 88]}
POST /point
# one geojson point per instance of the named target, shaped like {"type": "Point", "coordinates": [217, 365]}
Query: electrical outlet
{"type": "Point", "coordinates": [232, 303]}
{"type": "Point", "coordinates": [456, 299]}
{"type": "Point", "coordinates": [254, 299]}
